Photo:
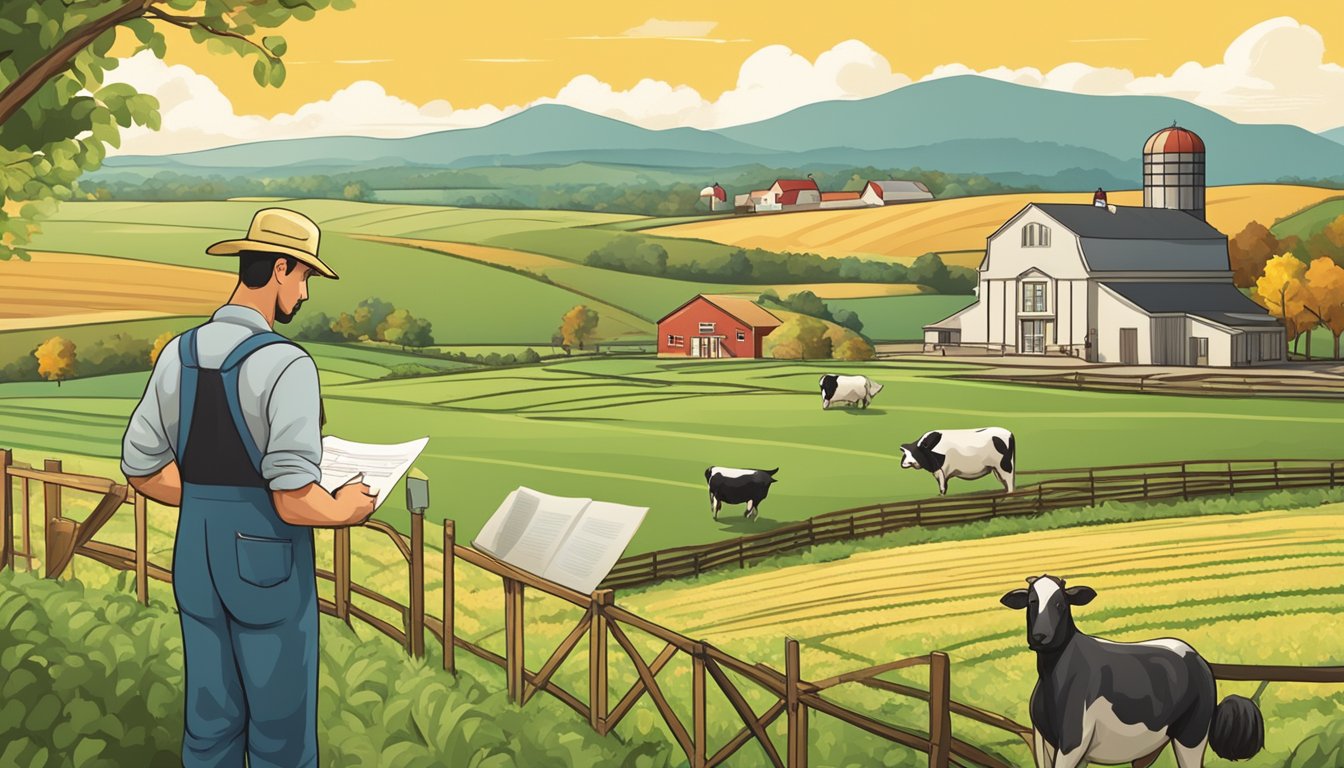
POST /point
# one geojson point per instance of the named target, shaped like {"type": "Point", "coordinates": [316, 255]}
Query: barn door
{"type": "Point", "coordinates": [1129, 346]}
{"type": "Point", "coordinates": [1199, 350]}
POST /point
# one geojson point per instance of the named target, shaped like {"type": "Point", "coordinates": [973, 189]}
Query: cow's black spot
{"type": "Point", "coordinates": [1005, 450]}
{"type": "Point", "coordinates": [930, 441]}
{"type": "Point", "coordinates": [829, 383]}
{"type": "Point", "coordinates": [739, 490]}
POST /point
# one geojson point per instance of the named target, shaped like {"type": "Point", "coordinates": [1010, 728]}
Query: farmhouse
{"type": "Point", "coordinates": [716, 327]}
{"type": "Point", "coordinates": [890, 191]}
{"type": "Point", "coordinates": [1148, 285]}
{"type": "Point", "coordinates": [831, 200]}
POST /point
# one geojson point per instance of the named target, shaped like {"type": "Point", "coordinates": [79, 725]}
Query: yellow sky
{"type": "Point", "coordinates": [420, 50]}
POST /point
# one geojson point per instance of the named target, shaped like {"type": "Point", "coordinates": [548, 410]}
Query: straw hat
{"type": "Point", "coordinates": [282, 231]}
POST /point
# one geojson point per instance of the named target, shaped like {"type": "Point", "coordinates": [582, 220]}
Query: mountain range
{"type": "Point", "coordinates": [959, 124]}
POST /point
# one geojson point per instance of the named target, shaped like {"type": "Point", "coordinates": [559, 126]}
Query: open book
{"type": "Point", "coordinates": [382, 465]}
{"type": "Point", "coordinates": [572, 542]}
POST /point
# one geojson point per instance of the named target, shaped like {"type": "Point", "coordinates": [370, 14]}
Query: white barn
{"type": "Point", "coordinates": [888, 191]}
{"type": "Point", "coordinates": [1111, 284]}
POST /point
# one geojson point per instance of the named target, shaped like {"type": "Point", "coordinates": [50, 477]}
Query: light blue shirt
{"type": "Point", "coordinates": [279, 394]}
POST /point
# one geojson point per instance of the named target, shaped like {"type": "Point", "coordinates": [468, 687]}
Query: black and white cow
{"type": "Point", "coordinates": [1098, 701]}
{"type": "Point", "coordinates": [964, 453]}
{"type": "Point", "coordinates": [836, 388]}
{"type": "Point", "coordinates": [739, 486]}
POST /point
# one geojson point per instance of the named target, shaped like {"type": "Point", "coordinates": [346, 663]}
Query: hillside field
{"type": "Point", "coordinates": [906, 231]}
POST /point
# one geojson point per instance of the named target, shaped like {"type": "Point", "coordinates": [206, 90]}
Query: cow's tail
{"type": "Point", "coordinates": [1238, 729]}
{"type": "Point", "coordinates": [771, 473]}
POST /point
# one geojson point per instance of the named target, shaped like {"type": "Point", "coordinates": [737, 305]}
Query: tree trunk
{"type": "Point", "coordinates": [31, 80]}
{"type": "Point", "coordinates": [1336, 335]}
{"type": "Point", "coordinates": [1309, 330]}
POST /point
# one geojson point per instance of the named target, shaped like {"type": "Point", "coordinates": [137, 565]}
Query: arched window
{"type": "Point", "coordinates": [1035, 235]}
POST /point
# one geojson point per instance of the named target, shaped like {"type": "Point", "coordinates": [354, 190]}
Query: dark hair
{"type": "Point", "coordinates": [256, 267]}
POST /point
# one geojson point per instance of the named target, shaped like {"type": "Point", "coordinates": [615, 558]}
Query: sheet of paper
{"type": "Point", "coordinates": [382, 465]}
{"type": "Point", "coordinates": [594, 546]}
{"type": "Point", "coordinates": [528, 528]}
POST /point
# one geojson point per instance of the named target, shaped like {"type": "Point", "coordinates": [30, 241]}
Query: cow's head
{"type": "Point", "coordinates": [874, 388]}
{"type": "Point", "coordinates": [1048, 604]}
{"type": "Point", "coordinates": [917, 455]}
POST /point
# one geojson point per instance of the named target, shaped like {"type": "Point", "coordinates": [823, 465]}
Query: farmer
{"type": "Point", "coordinates": [229, 430]}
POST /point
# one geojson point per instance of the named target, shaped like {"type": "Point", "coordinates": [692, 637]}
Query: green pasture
{"type": "Point", "coordinates": [901, 318]}
{"type": "Point", "coordinates": [1306, 223]}
{"type": "Point", "coordinates": [642, 431]}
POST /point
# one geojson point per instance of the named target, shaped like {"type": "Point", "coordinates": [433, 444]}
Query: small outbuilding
{"type": "Point", "coordinates": [714, 326]}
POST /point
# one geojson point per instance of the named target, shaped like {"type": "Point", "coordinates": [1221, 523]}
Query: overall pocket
{"type": "Point", "coordinates": [264, 562]}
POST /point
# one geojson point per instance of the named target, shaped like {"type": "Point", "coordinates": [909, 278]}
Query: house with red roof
{"type": "Point", "coordinates": [795, 194]}
{"type": "Point", "coordinates": [889, 191]}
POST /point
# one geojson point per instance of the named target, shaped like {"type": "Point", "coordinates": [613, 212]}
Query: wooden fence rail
{"type": "Point", "coordinates": [788, 693]}
{"type": "Point", "coordinates": [1058, 489]}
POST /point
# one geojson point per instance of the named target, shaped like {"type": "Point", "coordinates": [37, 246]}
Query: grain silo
{"type": "Point", "coordinates": [1173, 171]}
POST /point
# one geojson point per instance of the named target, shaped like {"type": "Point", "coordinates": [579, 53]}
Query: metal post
{"type": "Point", "coordinates": [6, 510]}
{"type": "Point", "coordinates": [449, 597]}
{"type": "Point", "coordinates": [415, 616]}
{"type": "Point", "coordinates": [597, 659]}
{"type": "Point", "coordinates": [141, 549]}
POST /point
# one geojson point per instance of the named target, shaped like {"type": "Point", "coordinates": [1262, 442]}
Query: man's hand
{"type": "Point", "coordinates": [355, 500]}
{"type": "Point", "coordinates": [164, 486]}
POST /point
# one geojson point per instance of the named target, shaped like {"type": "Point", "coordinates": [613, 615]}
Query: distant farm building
{"type": "Point", "coordinates": [713, 326]}
{"type": "Point", "coordinates": [831, 200]}
{"type": "Point", "coordinates": [888, 191]}
{"type": "Point", "coordinates": [716, 198]}
{"type": "Point", "coordinates": [1148, 285]}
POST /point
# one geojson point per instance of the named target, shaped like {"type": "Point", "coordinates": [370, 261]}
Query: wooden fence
{"type": "Point", "coordinates": [1060, 489]}
{"type": "Point", "coordinates": [601, 620]}
{"type": "Point", "coordinates": [1203, 384]}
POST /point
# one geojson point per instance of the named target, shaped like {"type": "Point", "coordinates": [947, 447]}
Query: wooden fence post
{"type": "Point", "coordinates": [27, 539]}
{"type": "Point", "coordinates": [6, 510]}
{"type": "Point", "coordinates": [1185, 479]}
{"type": "Point", "coordinates": [515, 663]}
{"type": "Point", "coordinates": [1278, 485]}
{"type": "Point", "coordinates": [449, 597]}
{"type": "Point", "coordinates": [699, 706]}
{"type": "Point", "coordinates": [54, 526]}
{"type": "Point", "coordinates": [797, 711]}
{"type": "Point", "coordinates": [1092, 486]}
{"type": "Point", "coordinates": [1231, 481]}
{"type": "Point", "coordinates": [340, 555]}
{"type": "Point", "coordinates": [415, 614]}
{"type": "Point", "coordinates": [597, 659]}
{"type": "Point", "coordinates": [141, 549]}
{"type": "Point", "coordinates": [940, 714]}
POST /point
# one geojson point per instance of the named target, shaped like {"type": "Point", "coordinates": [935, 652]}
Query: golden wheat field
{"type": "Point", "coordinates": [58, 289]}
{"type": "Point", "coordinates": [961, 224]}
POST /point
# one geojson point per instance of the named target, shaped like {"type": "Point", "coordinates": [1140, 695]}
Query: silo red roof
{"type": "Point", "coordinates": [1173, 139]}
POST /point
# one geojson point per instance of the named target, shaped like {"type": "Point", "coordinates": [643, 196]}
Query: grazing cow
{"type": "Point", "coordinates": [847, 389]}
{"type": "Point", "coordinates": [1098, 701]}
{"type": "Point", "coordinates": [738, 486]}
{"type": "Point", "coordinates": [964, 453]}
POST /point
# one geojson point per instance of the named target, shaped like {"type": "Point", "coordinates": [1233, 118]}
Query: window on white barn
{"type": "Point", "coordinates": [706, 328]}
{"type": "Point", "coordinates": [1035, 235]}
{"type": "Point", "coordinates": [1033, 297]}
{"type": "Point", "coordinates": [741, 335]}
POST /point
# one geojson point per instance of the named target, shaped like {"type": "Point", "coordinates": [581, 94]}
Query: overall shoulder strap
{"type": "Point", "coordinates": [230, 371]}
{"type": "Point", "coordinates": [186, 388]}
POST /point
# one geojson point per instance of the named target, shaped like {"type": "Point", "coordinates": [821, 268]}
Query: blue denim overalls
{"type": "Point", "coordinates": [244, 583]}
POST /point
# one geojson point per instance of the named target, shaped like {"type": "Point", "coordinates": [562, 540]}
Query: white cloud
{"type": "Point", "coordinates": [196, 115]}
{"type": "Point", "coordinates": [661, 28]}
{"type": "Point", "coordinates": [1274, 72]}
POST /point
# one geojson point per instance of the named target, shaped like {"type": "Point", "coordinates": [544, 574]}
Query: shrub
{"type": "Point", "coordinates": [854, 348]}
{"type": "Point", "coordinates": [118, 353]}
{"type": "Point", "coordinates": [799, 338]}
{"type": "Point", "coordinates": [1322, 749]}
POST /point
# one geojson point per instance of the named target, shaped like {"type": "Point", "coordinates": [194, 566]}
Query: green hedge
{"type": "Point", "coordinates": [91, 678]}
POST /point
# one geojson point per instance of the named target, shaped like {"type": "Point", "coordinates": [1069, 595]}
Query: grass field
{"type": "Point", "coordinates": [641, 431]}
{"type": "Point", "coordinates": [906, 231]}
{"type": "Point", "coordinates": [1312, 220]}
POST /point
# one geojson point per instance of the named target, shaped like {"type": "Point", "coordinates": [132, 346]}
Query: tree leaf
{"type": "Point", "coordinates": [275, 44]}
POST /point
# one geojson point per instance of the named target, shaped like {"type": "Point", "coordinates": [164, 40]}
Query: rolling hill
{"type": "Point", "coordinates": [960, 124]}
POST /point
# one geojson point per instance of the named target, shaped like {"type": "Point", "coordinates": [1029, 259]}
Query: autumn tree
{"type": "Point", "coordinates": [1249, 251]}
{"type": "Point", "coordinates": [401, 327]}
{"type": "Point", "coordinates": [1281, 290]}
{"type": "Point", "coordinates": [57, 114]}
{"type": "Point", "coordinates": [799, 338]}
{"type": "Point", "coordinates": [56, 359]}
{"type": "Point", "coordinates": [854, 348]}
{"type": "Point", "coordinates": [577, 327]}
{"type": "Point", "coordinates": [1323, 297]}
{"type": "Point", "coordinates": [156, 348]}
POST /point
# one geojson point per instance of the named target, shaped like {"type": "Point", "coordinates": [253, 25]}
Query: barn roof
{"type": "Point", "coordinates": [1130, 222]}
{"type": "Point", "coordinates": [887, 188]}
{"type": "Point", "coordinates": [741, 308]}
{"type": "Point", "coordinates": [840, 196]}
{"type": "Point", "coordinates": [1220, 302]}
{"type": "Point", "coordinates": [786, 185]}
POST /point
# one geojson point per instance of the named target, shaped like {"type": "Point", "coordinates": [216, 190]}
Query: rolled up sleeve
{"type": "Point", "coordinates": [293, 454]}
{"type": "Point", "coordinates": [145, 448]}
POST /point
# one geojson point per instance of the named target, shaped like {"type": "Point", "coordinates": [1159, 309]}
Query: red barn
{"type": "Point", "coordinates": [715, 326]}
